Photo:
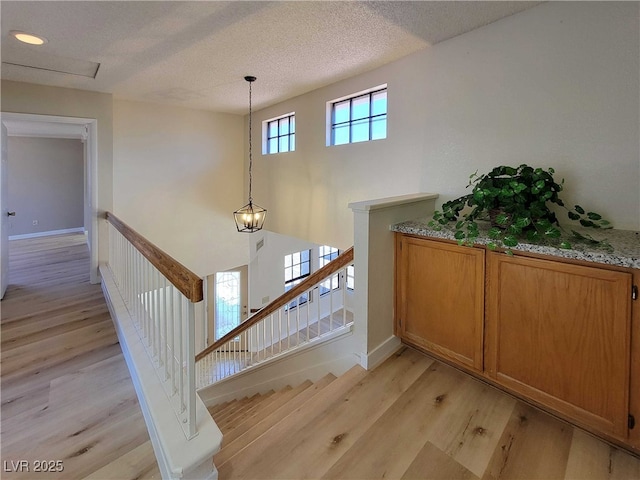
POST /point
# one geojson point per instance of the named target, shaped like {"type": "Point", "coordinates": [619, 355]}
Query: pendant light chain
{"type": "Point", "coordinates": [250, 218]}
{"type": "Point", "coordinates": [250, 144]}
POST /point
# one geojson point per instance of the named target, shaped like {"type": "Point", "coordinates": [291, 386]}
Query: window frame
{"type": "Point", "coordinates": [370, 119]}
{"type": "Point", "coordinates": [291, 135]}
{"type": "Point", "coordinates": [350, 278]}
{"type": "Point", "coordinates": [293, 281]}
{"type": "Point", "coordinates": [331, 253]}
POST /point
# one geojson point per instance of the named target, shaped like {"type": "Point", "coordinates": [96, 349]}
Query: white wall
{"type": "Point", "coordinates": [266, 269]}
{"type": "Point", "coordinates": [178, 177]}
{"type": "Point", "coordinates": [46, 184]}
{"type": "Point", "coordinates": [555, 86]}
{"type": "Point", "coordinates": [41, 100]}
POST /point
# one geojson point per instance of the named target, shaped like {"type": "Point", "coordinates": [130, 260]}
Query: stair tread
{"type": "Point", "coordinates": [235, 406]}
{"type": "Point", "coordinates": [221, 411]}
{"type": "Point", "coordinates": [254, 427]}
{"type": "Point", "coordinates": [297, 416]}
{"type": "Point", "coordinates": [268, 401]}
{"type": "Point", "coordinates": [338, 423]}
{"type": "Point", "coordinates": [257, 414]}
{"type": "Point", "coordinates": [244, 404]}
{"type": "Point", "coordinates": [270, 418]}
{"type": "Point", "coordinates": [213, 409]}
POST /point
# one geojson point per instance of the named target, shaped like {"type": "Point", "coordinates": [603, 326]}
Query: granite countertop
{"type": "Point", "coordinates": [625, 243]}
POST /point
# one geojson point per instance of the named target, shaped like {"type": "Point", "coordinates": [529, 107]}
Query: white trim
{"type": "Point", "coordinates": [357, 94]}
{"type": "Point", "coordinates": [91, 174]}
{"type": "Point", "coordinates": [329, 112]}
{"type": "Point", "coordinates": [265, 134]}
{"type": "Point", "coordinates": [178, 458]}
{"type": "Point", "coordinates": [380, 353]}
{"type": "Point", "coordinates": [388, 202]}
{"type": "Point", "coordinates": [47, 234]}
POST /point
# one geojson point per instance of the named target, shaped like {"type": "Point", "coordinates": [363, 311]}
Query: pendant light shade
{"type": "Point", "coordinates": [250, 218]}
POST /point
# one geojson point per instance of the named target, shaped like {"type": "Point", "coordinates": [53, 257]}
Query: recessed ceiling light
{"type": "Point", "coordinates": [29, 38]}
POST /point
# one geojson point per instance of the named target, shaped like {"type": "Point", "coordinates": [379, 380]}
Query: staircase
{"type": "Point", "coordinates": [350, 426]}
{"type": "Point", "coordinates": [411, 417]}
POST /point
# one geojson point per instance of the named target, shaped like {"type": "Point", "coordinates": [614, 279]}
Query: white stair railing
{"type": "Point", "coordinates": [162, 298]}
{"type": "Point", "coordinates": [312, 311]}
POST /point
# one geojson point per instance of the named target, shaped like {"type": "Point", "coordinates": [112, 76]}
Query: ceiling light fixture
{"type": "Point", "coordinates": [29, 38]}
{"type": "Point", "coordinates": [250, 218]}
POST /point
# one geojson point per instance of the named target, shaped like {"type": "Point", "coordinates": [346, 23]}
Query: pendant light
{"type": "Point", "coordinates": [250, 218]}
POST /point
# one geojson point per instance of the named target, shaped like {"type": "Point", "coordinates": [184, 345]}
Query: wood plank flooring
{"type": "Point", "coordinates": [67, 395]}
{"type": "Point", "coordinates": [411, 418]}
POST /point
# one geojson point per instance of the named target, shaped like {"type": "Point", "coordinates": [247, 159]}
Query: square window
{"type": "Point", "coordinates": [279, 134]}
{"type": "Point", "coordinates": [360, 118]}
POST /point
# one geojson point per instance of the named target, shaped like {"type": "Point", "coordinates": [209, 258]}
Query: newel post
{"type": "Point", "coordinates": [374, 270]}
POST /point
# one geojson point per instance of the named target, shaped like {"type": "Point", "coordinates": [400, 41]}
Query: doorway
{"type": "Point", "coordinates": [60, 127]}
{"type": "Point", "coordinates": [228, 300]}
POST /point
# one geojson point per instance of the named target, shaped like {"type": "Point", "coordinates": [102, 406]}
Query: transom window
{"type": "Point", "coordinates": [297, 266]}
{"type": "Point", "coordinates": [280, 134]}
{"type": "Point", "coordinates": [359, 118]}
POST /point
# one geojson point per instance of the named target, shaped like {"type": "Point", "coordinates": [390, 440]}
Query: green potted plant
{"type": "Point", "coordinates": [516, 201]}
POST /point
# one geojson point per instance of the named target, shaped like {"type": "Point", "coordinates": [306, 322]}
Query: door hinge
{"type": "Point", "coordinates": [631, 422]}
{"type": "Point", "coordinates": [634, 292]}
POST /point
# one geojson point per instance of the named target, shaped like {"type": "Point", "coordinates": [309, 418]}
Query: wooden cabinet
{"type": "Point", "coordinates": [440, 298]}
{"type": "Point", "coordinates": [560, 334]}
{"type": "Point", "coordinates": [553, 331]}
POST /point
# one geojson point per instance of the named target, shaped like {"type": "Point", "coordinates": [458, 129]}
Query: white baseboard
{"type": "Point", "coordinates": [178, 458]}
{"type": "Point", "coordinates": [46, 234]}
{"type": "Point", "coordinates": [380, 353]}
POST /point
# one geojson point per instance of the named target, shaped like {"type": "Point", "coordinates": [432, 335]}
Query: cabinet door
{"type": "Point", "coordinates": [440, 302]}
{"type": "Point", "coordinates": [560, 334]}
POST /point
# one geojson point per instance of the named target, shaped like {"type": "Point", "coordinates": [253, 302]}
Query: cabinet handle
{"type": "Point", "coordinates": [11, 214]}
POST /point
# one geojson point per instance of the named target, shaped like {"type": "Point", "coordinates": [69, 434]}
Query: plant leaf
{"type": "Point", "coordinates": [533, 236]}
{"type": "Point", "coordinates": [510, 240]}
{"type": "Point", "coordinates": [579, 209]}
{"type": "Point", "coordinates": [494, 233]}
{"type": "Point", "coordinates": [565, 245]}
{"type": "Point", "coordinates": [573, 216]}
{"type": "Point", "coordinates": [552, 232]}
{"type": "Point", "coordinates": [594, 216]}
{"type": "Point", "coordinates": [502, 218]}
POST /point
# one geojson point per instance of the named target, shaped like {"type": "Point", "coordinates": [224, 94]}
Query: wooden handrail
{"type": "Point", "coordinates": [180, 276]}
{"type": "Point", "coordinates": [329, 269]}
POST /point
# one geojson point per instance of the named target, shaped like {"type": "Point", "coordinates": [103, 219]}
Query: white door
{"type": "Point", "coordinates": [4, 212]}
{"type": "Point", "coordinates": [230, 301]}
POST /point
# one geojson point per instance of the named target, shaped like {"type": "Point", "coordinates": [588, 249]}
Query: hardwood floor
{"type": "Point", "coordinates": [67, 396]}
{"type": "Point", "coordinates": [411, 418]}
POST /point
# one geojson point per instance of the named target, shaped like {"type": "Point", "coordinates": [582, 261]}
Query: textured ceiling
{"type": "Point", "coordinates": [195, 54]}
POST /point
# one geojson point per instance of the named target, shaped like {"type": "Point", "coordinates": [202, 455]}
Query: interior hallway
{"type": "Point", "coordinates": [67, 396]}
